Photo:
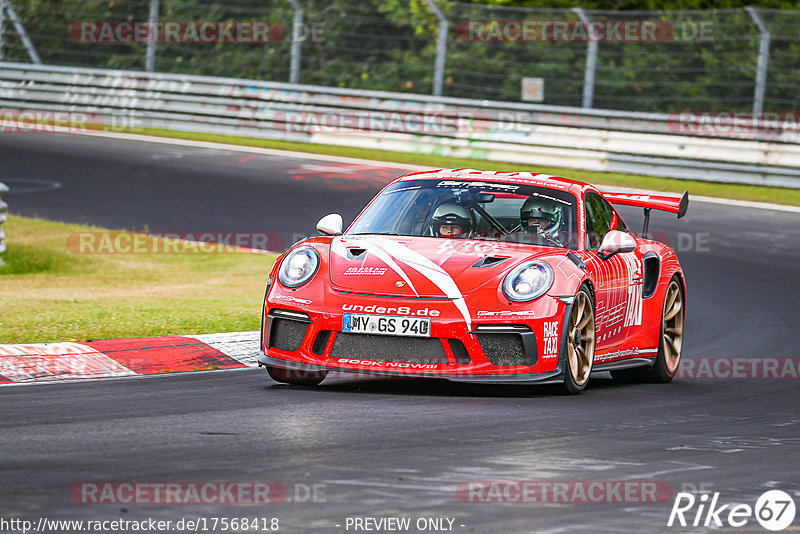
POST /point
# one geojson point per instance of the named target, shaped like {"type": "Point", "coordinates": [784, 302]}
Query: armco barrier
{"type": "Point", "coordinates": [3, 217]}
{"type": "Point", "coordinates": [589, 139]}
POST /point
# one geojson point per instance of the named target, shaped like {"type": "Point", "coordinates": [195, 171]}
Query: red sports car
{"type": "Point", "coordinates": [476, 276]}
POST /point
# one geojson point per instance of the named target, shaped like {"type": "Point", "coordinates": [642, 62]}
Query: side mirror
{"type": "Point", "coordinates": [330, 225]}
{"type": "Point", "coordinates": [615, 242]}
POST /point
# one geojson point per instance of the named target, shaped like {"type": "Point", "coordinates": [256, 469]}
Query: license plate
{"type": "Point", "coordinates": [388, 325]}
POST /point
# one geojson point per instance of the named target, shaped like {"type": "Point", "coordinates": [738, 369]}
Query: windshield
{"type": "Point", "coordinates": [495, 211]}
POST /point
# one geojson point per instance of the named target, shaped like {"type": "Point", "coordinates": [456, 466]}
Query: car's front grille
{"type": "Point", "coordinates": [287, 334]}
{"type": "Point", "coordinates": [503, 348]}
{"type": "Point", "coordinates": [389, 348]}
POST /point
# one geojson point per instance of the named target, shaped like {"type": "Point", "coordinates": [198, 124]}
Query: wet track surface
{"type": "Point", "coordinates": [395, 447]}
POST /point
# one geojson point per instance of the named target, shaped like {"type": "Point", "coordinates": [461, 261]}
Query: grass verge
{"type": "Point", "coordinates": [775, 195]}
{"type": "Point", "coordinates": [50, 293]}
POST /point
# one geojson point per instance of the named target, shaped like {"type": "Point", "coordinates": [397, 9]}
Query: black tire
{"type": "Point", "coordinates": [578, 363]}
{"type": "Point", "coordinates": [295, 377]}
{"type": "Point", "coordinates": [667, 361]}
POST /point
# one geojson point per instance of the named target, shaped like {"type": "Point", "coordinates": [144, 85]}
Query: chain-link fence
{"type": "Point", "coordinates": [664, 61]}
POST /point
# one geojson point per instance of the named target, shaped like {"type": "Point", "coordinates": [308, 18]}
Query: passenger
{"type": "Point", "coordinates": [542, 216]}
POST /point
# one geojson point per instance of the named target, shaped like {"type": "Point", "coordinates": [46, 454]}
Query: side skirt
{"type": "Point", "coordinates": [624, 364]}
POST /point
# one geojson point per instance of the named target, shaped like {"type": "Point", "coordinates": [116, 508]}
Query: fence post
{"type": "Point", "coordinates": [23, 35]}
{"type": "Point", "coordinates": [152, 36]}
{"type": "Point", "coordinates": [591, 61]}
{"type": "Point", "coordinates": [3, 217]}
{"type": "Point", "coordinates": [297, 33]}
{"type": "Point", "coordinates": [763, 59]}
{"type": "Point", "coordinates": [2, 27]}
{"type": "Point", "coordinates": [441, 47]}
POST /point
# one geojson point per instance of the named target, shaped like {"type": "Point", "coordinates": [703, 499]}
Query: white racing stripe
{"type": "Point", "coordinates": [338, 248]}
{"type": "Point", "coordinates": [387, 250]}
{"type": "Point", "coordinates": [429, 270]}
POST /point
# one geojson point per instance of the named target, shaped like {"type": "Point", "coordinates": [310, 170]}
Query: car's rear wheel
{"type": "Point", "coordinates": [580, 343]}
{"type": "Point", "coordinates": [296, 377]}
{"type": "Point", "coordinates": [670, 341]}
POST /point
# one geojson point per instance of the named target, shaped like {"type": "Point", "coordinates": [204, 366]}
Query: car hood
{"type": "Point", "coordinates": [423, 266]}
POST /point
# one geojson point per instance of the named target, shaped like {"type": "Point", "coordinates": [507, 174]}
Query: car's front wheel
{"type": "Point", "coordinates": [580, 343]}
{"type": "Point", "coordinates": [296, 377]}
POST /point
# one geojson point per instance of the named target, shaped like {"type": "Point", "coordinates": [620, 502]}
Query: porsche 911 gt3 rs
{"type": "Point", "coordinates": [476, 276]}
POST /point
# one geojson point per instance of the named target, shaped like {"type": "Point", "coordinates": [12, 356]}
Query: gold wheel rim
{"type": "Point", "coordinates": [672, 327]}
{"type": "Point", "coordinates": [581, 347]}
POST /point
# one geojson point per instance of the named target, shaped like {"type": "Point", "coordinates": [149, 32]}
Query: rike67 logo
{"type": "Point", "coordinates": [774, 510]}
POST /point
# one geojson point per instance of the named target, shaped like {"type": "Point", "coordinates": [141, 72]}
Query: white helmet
{"type": "Point", "coordinates": [541, 216]}
{"type": "Point", "coordinates": [452, 214]}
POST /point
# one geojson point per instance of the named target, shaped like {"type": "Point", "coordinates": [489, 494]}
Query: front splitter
{"type": "Point", "coordinates": [550, 377]}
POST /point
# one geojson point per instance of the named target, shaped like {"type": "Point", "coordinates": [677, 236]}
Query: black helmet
{"type": "Point", "coordinates": [452, 214]}
{"type": "Point", "coordinates": [549, 213]}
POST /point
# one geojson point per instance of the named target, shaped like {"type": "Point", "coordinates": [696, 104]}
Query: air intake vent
{"type": "Point", "coordinates": [356, 253]}
{"type": "Point", "coordinates": [508, 344]}
{"type": "Point", "coordinates": [503, 349]}
{"type": "Point", "coordinates": [489, 261]}
{"type": "Point", "coordinates": [321, 342]}
{"type": "Point", "coordinates": [652, 270]}
{"type": "Point", "coordinates": [287, 334]}
{"type": "Point", "coordinates": [459, 351]}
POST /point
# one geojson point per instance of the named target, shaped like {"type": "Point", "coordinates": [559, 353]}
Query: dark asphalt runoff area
{"type": "Point", "coordinates": [377, 448]}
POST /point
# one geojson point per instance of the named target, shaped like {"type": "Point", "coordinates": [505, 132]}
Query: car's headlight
{"type": "Point", "coordinates": [298, 267]}
{"type": "Point", "coordinates": [528, 281]}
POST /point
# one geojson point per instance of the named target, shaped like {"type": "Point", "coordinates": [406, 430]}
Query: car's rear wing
{"type": "Point", "coordinates": [651, 202]}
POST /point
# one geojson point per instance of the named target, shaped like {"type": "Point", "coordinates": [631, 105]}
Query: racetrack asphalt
{"type": "Point", "coordinates": [394, 447]}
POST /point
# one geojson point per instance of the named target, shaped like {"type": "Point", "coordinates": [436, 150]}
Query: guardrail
{"type": "Point", "coordinates": [3, 217]}
{"type": "Point", "coordinates": [590, 139]}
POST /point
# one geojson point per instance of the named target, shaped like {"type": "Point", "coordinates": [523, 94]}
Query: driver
{"type": "Point", "coordinates": [452, 220]}
{"type": "Point", "coordinates": [541, 216]}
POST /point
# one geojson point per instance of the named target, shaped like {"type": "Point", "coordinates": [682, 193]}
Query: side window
{"type": "Point", "coordinates": [598, 220]}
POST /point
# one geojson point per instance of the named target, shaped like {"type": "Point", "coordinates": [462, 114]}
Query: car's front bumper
{"type": "Point", "coordinates": [521, 345]}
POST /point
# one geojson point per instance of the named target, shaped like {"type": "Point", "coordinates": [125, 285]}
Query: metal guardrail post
{"type": "Point", "coordinates": [297, 32]}
{"type": "Point", "coordinates": [3, 217]}
{"type": "Point", "coordinates": [763, 59]}
{"type": "Point", "coordinates": [2, 27]}
{"type": "Point", "coordinates": [441, 47]}
{"type": "Point", "coordinates": [591, 61]}
{"type": "Point", "coordinates": [152, 37]}
{"type": "Point", "coordinates": [23, 35]}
